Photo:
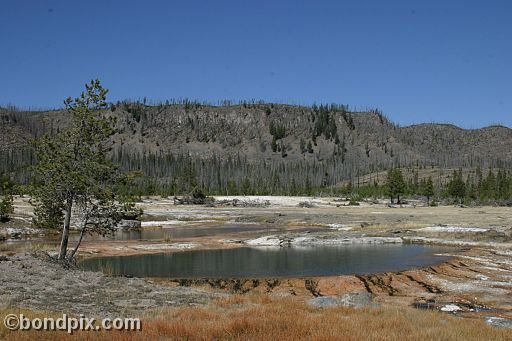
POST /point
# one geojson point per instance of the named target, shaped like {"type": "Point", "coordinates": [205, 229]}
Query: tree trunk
{"type": "Point", "coordinates": [77, 244]}
{"type": "Point", "coordinates": [65, 229]}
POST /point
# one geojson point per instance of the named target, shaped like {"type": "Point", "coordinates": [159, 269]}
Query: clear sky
{"type": "Point", "coordinates": [418, 61]}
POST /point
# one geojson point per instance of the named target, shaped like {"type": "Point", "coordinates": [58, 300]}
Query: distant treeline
{"type": "Point", "coordinates": [475, 187]}
{"type": "Point", "coordinates": [169, 175]}
{"type": "Point", "coordinates": [296, 150]}
{"type": "Point", "coordinates": [181, 174]}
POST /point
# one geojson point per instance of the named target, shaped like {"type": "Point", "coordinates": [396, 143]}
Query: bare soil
{"type": "Point", "coordinates": [34, 282]}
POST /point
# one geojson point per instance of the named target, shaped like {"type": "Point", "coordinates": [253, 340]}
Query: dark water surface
{"type": "Point", "coordinates": [261, 262]}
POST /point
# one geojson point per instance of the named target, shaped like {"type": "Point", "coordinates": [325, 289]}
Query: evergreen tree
{"type": "Point", "coordinates": [6, 200]}
{"type": "Point", "coordinates": [6, 184]}
{"type": "Point", "coordinates": [336, 139]}
{"type": "Point", "coordinates": [283, 150]}
{"type": "Point", "coordinates": [293, 187]}
{"type": "Point", "coordinates": [395, 184]}
{"type": "Point", "coordinates": [479, 182]}
{"type": "Point", "coordinates": [349, 188]}
{"type": "Point", "coordinates": [501, 185]}
{"type": "Point", "coordinates": [246, 188]}
{"type": "Point", "coordinates": [310, 148]}
{"type": "Point", "coordinates": [307, 187]}
{"type": "Point", "coordinates": [274, 144]}
{"type": "Point", "coordinates": [302, 146]}
{"type": "Point", "coordinates": [428, 189]}
{"type": "Point", "coordinates": [6, 207]}
{"type": "Point", "coordinates": [232, 189]}
{"type": "Point", "coordinates": [489, 186]}
{"type": "Point", "coordinates": [73, 172]}
{"type": "Point", "coordinates": [456, 186]}
{"type": "Point", "coordinates": [188, 180]}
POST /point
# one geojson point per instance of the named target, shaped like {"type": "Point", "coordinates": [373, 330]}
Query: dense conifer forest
{"type": "Point", "coordinates": [248, 148]}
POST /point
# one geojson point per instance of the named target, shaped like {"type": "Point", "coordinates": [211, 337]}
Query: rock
{"type": "Point", "coordinates": [323, 302]}
{"type": "Point", "coordinates": [499, 322]}
{"type": "Point", "coordinates": [306, 204]}
{"type": "Point", "coordinates": [451, 308]}
{"type": "Point", "coordinates": [15, 235]}
{"type": "Point", "coordinates": [357, 299]}
{"type": "Point", "coordinates": [294, 239]}
{"type": "Point", "coordinates": [353, 299]}
{"type": "Point", "coordinates": [131, 215]}
{"type": "Point", "coordinates": [265, 241]}
{"type": "Point", "coordinates": [302, 240]}
{"type": "Point", "coordinates": [508, 232]}
{"type": "Point", "coordinates": [130, 225]}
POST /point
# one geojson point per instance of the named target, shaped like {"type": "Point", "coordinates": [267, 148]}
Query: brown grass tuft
{"type": "Point", "coordinates": [239, 318]}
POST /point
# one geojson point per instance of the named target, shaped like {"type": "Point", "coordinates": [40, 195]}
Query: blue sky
{"type": "Point", "coordinates": [418, 61]}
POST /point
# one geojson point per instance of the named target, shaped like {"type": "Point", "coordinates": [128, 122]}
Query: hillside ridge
{"type": "Point", "coordinates": [324, 144]}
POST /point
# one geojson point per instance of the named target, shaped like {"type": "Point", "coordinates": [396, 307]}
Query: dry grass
{"type": "Point", "coordinates": [4, 247]}
{"type": "Point", "coordinates": [242, 318]}
{"type": "Point", "coordinates": [403, 225]}
{"type": "Point", "coordinates": [22, 247]}
{"type": "Point", "coordinates": [437, 174]}
{"type": "Point", "coordinates": [107, 269]}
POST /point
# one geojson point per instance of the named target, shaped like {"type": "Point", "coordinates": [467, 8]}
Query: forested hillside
{"type": "Point", "coordinates": [260, 147]}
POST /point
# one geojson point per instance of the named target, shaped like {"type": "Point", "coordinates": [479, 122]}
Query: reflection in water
{"type": "Point", "coordinates": [272, 262]}
{"type": "Point", "coordinates": [190, 232]}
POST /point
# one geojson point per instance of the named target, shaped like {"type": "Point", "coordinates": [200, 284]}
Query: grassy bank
{"type": "Point", "coordinates": [259, 318]}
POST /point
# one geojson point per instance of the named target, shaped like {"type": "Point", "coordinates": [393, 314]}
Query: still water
{"type": "Point", "coordinates": [191, 232]}
{"type": "Point", "coordinates": [272, 262]}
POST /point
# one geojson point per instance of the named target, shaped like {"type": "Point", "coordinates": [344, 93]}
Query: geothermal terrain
{"type": "Point", "coordinates": [471, 279]}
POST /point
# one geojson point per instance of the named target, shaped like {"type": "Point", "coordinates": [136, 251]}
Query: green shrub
{"type": "Point", "coordinates": [6, 207]}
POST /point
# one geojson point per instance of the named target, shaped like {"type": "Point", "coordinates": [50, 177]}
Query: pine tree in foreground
{"type": "Point", "coordinates": [73, 174]}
